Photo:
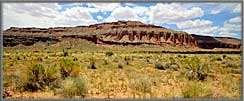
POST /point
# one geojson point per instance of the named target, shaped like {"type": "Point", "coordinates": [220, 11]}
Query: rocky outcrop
{"type": "Point", "coordinates": [118, 33]}
{"type": "Point", "coordinates": [149, 37]}
{"type": "Point", "coordinates": [10, 41]}
{"type": "Point", "coordinates": [208, 42]}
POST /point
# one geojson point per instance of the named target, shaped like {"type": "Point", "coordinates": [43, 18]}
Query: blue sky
{"type": "Point", "coordinates": [212, 19]}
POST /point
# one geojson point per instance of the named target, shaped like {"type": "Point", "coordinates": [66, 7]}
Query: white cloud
{"type": "Point", "coordinates": [226, 33]}
{"type": "Point", "coordinates": [28, 14]}
{"type": "Point", "coordinates": [237, 9]}
{"type": "Point", "coordinates": [130, 4]}
{"type": "Point", "coordinates": [230, 26]}
{"type": "Point", "coordinates": [173, 13]}
{"type": "Point", "coordinates": [99, 17]}
{"type": "Point", "coordinates": [45, 15]}
{"type": "Point", "coordinates": [209, 31]}
{"type": "Point", "coordinates": [110, 19]}
{"type": "Point", "coordinates": [229, 7]}
{"type": "Point", "coordinates": [129, 13]}
{"type": "Point", "coordinates": [235, 20]}
{"type": "Point", "coordinates": [123, 13]}
{"type": "Point", "coordinates": [194, 23]}
{"type": "Point", "coordinates": [104, 7]}
{"type": "Point", "coordinates": [228, 29]}
{"type": "Point", "coordinates": [187, 18]}
{"type": "Point", "coordinates": [75, 16]}
{"type": "Point", "coordinates": [216, 10]}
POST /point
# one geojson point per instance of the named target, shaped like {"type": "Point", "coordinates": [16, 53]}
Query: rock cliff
{"type": "Point", "coordinates": [120, 33]}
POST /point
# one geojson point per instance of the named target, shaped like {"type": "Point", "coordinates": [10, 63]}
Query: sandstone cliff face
{"type": "Point", "coordinates": [149, 37]}
{"type": "Point", "coordinates": [121, 33]}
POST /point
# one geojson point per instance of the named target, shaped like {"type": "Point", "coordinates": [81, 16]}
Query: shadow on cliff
{"type": "Point", "coordinates": [208, 42]}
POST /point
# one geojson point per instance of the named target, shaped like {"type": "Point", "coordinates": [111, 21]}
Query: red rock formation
{"type": "Point", "coordinates": [128, 32]}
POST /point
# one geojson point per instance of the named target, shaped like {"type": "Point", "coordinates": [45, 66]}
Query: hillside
{"type": "Point", "coordinates": [117, 33]}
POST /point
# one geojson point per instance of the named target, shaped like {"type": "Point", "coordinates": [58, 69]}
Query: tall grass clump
{"type": "Point", "coordinates": [196, 69]}
{"type": "Point", "coordinates": [141, 86]}
{"type": "Point", "coordinates": [92, 64]}
{"type": "Point", "coordinates": [159, 66]}
{"type": "Point", "coordinates": [38, 76]}
{"type": "Point", "coordinates": [196, 90]}
{"type": "Point", "coordinates": [120, 66]}
{"type": "Point", "coordinates": [69, 68]}
{"type": "Point", "coordinates": [65, 53]}
{"type": "Point", "coordinates": [74, 87]}
{"type": "Point", "coordinates": [109, 53]}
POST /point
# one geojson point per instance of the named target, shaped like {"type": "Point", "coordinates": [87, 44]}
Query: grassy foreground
{"type": "Point", "coordinates": [90, 71]}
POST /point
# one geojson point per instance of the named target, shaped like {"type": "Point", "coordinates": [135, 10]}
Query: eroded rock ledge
{"type": "Point", "coordinates": [118, 33]}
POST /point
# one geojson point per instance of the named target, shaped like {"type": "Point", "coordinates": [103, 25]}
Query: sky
{"type": "Point", "coordinates": [211, 19]}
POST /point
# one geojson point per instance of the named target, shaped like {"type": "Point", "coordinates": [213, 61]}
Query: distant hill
{"type": "Point", "coordinates": [118, 33]}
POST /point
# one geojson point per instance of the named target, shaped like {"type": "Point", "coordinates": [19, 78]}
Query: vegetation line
{"type": "Point", "coordinates": [191, 52]}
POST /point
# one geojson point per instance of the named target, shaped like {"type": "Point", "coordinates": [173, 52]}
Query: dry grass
{"type": "Point", "coordinates": [124, 74]}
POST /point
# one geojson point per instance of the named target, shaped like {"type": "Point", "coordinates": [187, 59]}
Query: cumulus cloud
{"type": "Point", "coordinates": [44, 15]}
{"type": "Point", "coordinates": [235, 20]}
{"type": "Point", "coordinates": [76, 16]}
{"type": "Point", "coordinates": [28, 14]}
{"type": "Point", "coordinates": [229, 7]}
{"type": "Point", "coordinates": [216, 10]}
{"type": "Point", "coordinates": [129, 13]}
{"type": "Point", "coordinates": [99, 17]}
{"type": "Point", "coordinates": [173, 13]}
{"type": "Point", "coordinates": [227, 33]}
{"type": "Point", "coordinates": [230, 26]}
{"type": "Point", "coordinates": [228, 30]}
{"type": "Point", "coordinates": [104, 7]}
{"type": "Point", "coordinates": [123, 13]}
{"type": "Point", "coordinates": [237, 9]}
{"type": "Point", "coordinates": [209, 31]}
{"type": "Point", "coordinates": [194, 23]}
{"type": "Point", "coordinates": [187, 17]}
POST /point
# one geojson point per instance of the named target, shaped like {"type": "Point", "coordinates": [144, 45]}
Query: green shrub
{"type": "Point", "coordinates": [196, 69]}
{"type": "Point", "coordinates": [180, 56]}
{"type": "Point", "coordinates": [224, 56]}
{"type": "Point", "coordinates": [235, 71]}
{"type": "Point", "coordinates": [127, 58]}
{"type": "Point", "coordinates": [92, 65]}
{"type": "Point", "coordinates": [160, 66]}
{"type": "Point", "coordinates": [120, 66]}
{"type": "Point", "coordinates": [127, 62]}
{"type": "Point", "coordinates": [65, 53]}
{"type": "Point", "coordinates": [13, 81]}
{"type": "Point", "coordinates": [75, 59]}
{"type": "Point", "coordinates": [197, 90]}
{"type": "Point", "coordinates": [172, 66]}
{"type": "Point", "coordinates": [109, 53]}
{"type": "Point", "coordinates": [39, 59]}
{"type": "Point", "coordinates": [74, 87]}
{"type": "Point", "coordinates": [105, 62]}
{"type": "Point", "coordinates": [141, 86]}
{"type": "Point", "coordinates": [38, 76]}
{"type": "Point", "coordinates": [18, 58]}
{"type": "Point", "coordinates": [213, 58]}
{"type": "Point", "coordinates": [52, 76]}
{"type": "Point", "coordinates": [232, 65]}
{"type": "Point", "coordinates": [69, 68]}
